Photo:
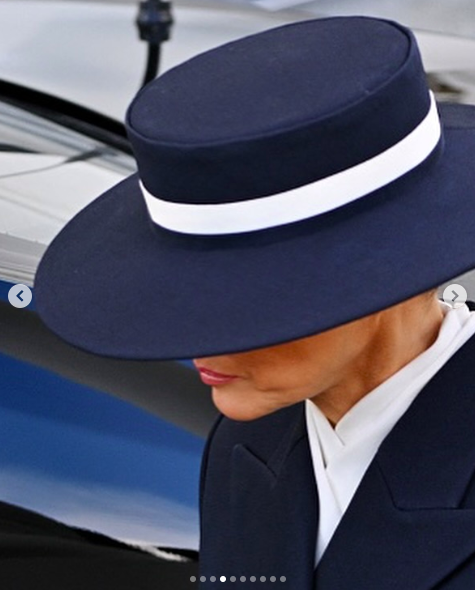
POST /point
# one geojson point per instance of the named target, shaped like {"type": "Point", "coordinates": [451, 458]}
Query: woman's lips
{"type": "Point", "coordinates": [213, 378]}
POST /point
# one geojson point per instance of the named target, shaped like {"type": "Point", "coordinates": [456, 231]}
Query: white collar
{"type": "Point", "coordinates": [341, 456]}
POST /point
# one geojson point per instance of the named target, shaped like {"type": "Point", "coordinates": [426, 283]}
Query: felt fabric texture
{"type": "Point", "coordinates": [255, 117]}
{"type": "Point", "coordinates": [277, 110]}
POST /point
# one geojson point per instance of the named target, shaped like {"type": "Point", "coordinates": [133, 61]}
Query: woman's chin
{"type": "Point", "coordinates": [234, 407]}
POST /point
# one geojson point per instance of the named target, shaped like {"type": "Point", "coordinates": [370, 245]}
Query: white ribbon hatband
{"type": "Point", "coordinates": [306, 201]}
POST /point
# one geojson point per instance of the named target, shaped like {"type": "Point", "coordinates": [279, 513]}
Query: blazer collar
{"type": "Point", "coordinates": [274, 501]}
{"type": "Point", "coordinates": [428, 458]}
{"type": "Point", "coordinates": [406, 526]}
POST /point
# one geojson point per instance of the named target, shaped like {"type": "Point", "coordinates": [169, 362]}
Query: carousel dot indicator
{"type": "Point", "coordinates": [193, 579]}
{"type": "Point", "coordinates": [283, 578]}
{"type": "Point", "coordinates": [222, 579]}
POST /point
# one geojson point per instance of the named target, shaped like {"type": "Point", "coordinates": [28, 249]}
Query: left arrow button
{"type": "Point", "coordinates": [20, 296]}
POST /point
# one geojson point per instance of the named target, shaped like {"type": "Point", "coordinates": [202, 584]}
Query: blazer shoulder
{"type": "Point", "coordinates": [261, 434]}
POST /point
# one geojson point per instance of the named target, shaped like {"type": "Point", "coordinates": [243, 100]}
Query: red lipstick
{"type": "Point", "coordinates": [214, 378]}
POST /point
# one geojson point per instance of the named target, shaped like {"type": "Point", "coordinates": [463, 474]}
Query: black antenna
{"type": "Point", "coordinates": [154, 22]}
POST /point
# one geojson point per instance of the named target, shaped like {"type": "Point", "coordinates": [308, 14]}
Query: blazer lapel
{"type": "Point", "coordinates": [274, 503]}
{"type": "Point", "coordinates": [407, 526]}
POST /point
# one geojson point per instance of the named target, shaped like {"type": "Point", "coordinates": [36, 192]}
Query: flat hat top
{"type": "Point", "coordinates": [292, 101]}
{"type": "Point", "coordinates": [270, 81]}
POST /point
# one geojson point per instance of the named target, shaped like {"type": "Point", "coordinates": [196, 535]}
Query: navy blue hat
{"type": "Point", "coordinates": [288, 182]}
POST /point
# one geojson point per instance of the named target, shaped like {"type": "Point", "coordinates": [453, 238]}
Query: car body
{"type": "Point", "coordinates": [124, 464]}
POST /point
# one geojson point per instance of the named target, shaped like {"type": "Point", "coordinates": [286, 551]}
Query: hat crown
{"type": "Point", "coordinates": [271, 81]}
{"type": "Point", "coordinates": [278, 110]}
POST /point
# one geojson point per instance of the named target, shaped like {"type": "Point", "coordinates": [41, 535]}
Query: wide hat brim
{"type": "Point", "coordinates": [116, 284]}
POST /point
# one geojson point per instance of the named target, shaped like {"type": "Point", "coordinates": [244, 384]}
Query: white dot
{"type": "Point", "coordinates": [253, 578]}
{"type": "Point", "coordinates": [212, 579]}
{"type": "Point", "coordinates": [232, 579]}
{"type": "Point", "coordinates": [272, 578]}
{"type": "Point", "coordinates": [282, 578]}
{"type": "Point", "coordinates": [203, 579]}
{"type": "Point", "coordinates": [192, 579]}
{"type": "Point", "coordinates": [222, 579]}
{"type": "Point", "coordinates": [243, 578]}
{"type": "Point", "coordinates": [263, 578]}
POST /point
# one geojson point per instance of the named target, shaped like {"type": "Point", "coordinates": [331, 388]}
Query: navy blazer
{"type": "Point", "coordinates": [410, 525]}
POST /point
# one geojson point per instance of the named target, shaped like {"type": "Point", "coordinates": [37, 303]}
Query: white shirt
{"type": "Point", "coordinates": [342, 454]}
